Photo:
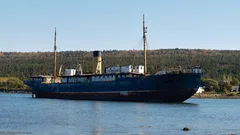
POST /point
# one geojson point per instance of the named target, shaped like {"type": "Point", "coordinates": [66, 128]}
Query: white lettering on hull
{"type": "Point", "coordinates": [124, 93]}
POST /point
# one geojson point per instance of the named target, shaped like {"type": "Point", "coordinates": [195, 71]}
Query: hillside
{"type": "Point", "coordinates": [215, 63]}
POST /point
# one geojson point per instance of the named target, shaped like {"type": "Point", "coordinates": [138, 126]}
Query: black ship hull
{"type": "Point", "coordinates": [154, 88]}
{"type": "Point", "coordinates": [148, 96]}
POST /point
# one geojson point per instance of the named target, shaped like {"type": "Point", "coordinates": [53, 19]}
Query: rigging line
{"type": "Point", "coordinates": [148, 56]}
{"type": "Point", "coordinates": [138, 44]}
{"type": "Point", "coordinates": [59, 49]}
{"type": "Point", "coordinates": [136, 48]}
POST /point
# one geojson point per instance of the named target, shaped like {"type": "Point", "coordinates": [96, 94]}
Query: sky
{"type": "Point", "coordinates": [28, 25]}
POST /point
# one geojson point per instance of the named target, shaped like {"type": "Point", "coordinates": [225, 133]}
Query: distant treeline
{"type": "Point", "coordinates": [215, 63]}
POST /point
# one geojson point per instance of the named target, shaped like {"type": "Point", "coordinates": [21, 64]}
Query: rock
{"type": "Point", "coordinates": [186, 129]}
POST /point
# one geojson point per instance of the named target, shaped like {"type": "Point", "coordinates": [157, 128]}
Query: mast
{"type": "Point", "coordinates": [55, 58]}
{"type": "Point", "coordinates": [144, 45]}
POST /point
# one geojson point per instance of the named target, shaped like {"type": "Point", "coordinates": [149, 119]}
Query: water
{"type": "Point", "coordinates": [22, 115]}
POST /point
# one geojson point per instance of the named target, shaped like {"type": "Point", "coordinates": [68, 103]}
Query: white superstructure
{"type": "Point", "coordinates": [70, 72]}
{"type": "Point", "coordinates": [125, 69]}
{"type": "Point", "coordinates": [180, 70]}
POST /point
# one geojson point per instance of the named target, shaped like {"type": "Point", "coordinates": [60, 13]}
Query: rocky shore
{"type": "Point", "coordinates": [16, 91]}
{"type": "Point", "coordinates": [217, 96]}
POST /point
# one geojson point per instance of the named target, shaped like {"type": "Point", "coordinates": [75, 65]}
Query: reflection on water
{"type": "Point", "coordinates": [140, 121]}
{"type": "Point", "coordinates": [137, 115]}
{"type": "Point", "coordinates": [96, 112]}
{"type": "Point", "coordinates": [22, 114]}
{"type": "Point", "coordinates": [170, 103]}
{"type": "Point", "coordinates": [14, 133]}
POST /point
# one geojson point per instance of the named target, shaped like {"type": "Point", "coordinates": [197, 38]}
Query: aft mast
{"type": "Point", "coordinates": [144, 45]}
{"type": "Point", "coordinates": [55, 58]}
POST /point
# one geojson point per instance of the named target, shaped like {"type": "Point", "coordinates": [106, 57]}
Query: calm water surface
{"type": "Point", "coordinates": [22, 115]}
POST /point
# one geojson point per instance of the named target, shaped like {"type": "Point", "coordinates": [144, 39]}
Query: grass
{"type": "Point", "coordinates": [232, 94]}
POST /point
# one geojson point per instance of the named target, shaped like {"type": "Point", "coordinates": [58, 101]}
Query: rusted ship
{"type": "Point", "coordinates": [118, 83]}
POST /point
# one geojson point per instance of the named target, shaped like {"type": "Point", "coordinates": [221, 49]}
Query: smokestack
{"type": "Point", "coordinates": [97, 62]}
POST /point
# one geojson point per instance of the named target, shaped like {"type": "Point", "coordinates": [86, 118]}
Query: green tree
{"type": "Point", "coordinates": [234, 82]}
{"type": "Point", "coordinates": [210, 85]}
{"type": "Point", "coordinates": [225, 87]}
{"type": "Point", "coordinates": [11, 83]}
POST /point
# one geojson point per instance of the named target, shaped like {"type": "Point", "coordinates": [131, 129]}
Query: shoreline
{"type": "Point", "coordinates": [215, 96]}
{"type": "Point", "coordinates": [197, 95]}
{"type": "Point", "coordinates": [16, 91]}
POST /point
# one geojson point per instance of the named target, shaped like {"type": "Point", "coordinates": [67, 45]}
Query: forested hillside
{"type": "Point", "coordinates": [216, 63]}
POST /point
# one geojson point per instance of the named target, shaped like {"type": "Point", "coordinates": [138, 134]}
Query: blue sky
{"type": "Point", "coordinates": [28, 25]}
